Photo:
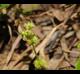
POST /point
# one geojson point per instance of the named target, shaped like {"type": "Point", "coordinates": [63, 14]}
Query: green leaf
{"type": "Point", "coordinates": [77, 65]}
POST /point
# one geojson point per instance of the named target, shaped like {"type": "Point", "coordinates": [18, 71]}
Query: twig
{"type": "Point", "coordinates": [45, 41]}
{"type": "Point", "coordinates": [13, 48]}
{"type": "Point", "coordinates": [10, 32]}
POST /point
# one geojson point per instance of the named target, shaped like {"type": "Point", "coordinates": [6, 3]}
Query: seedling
{"type": "Point", "coordinates": [29, 25]}
{"type": "Point", "coordinates": [40, 63]}
{"type": "Point", "coordinates": [32, 40]}
{"type": "Point", "coordinates": [28, 35]}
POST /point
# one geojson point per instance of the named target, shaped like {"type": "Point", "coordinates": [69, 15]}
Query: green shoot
{"type": "Point", "coordinates": [28, 35]}
{"type": "Point", "coordinates": [28, 26]}
{"type": "Point", "coordinates": [34, 40]}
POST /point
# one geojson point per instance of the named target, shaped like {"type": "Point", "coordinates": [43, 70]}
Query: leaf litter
{"type": "Point", "coordinates": [56, 25]}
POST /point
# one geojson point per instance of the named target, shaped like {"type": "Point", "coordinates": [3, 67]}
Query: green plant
{"type": "Point", "coordinates": [78, 45]}
{"type": "Point", "coordinates": [28, 35]}
{"type": "Point", "coordinates": [40, 63]}
{"type": "Point", "coordinates": [29, 25]}
{"type": "Point", "coordinates": [77, 65]}
{"type": "Point", "coordinates": [4, 6]}
{"type": "Point", "coordinates": [32, 40]}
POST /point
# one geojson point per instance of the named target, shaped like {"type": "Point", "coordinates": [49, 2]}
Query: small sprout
{"type": "Point", "coordinates": [78, 45]}
{"type": "Point", "coordinates": [28, 35]}
{"type": "Point", "coordinates": [33, 41]}
{"type": "Point", "coordinates": [77, 65]}
{"type": "Point", "coordinates": [29, 25]}
{"type": "Point", "coordinates": [39, 63]}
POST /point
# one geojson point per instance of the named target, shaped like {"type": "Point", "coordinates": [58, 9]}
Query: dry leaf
{"type": "Point", "coordinates": [64, 64]}
{"type": "Point", "coordinates": [59, 15]}
{"type": "Point", "coordinates": [54, 63]}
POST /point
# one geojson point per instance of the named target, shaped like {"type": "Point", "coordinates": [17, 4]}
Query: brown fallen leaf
{"type": "Point", "coordinates": [54, 63]}
{"type": "Point", "coordinates": [59, 14]}
{"type": "Point", "coordinates": [69, 10]}
{"type": "Point", "coordinates": [64, 45]}
{"type": "Point", "coordinates": [75, 53]}
{"type": "Point", "coordinates": [65, 48]}
{"type": "Point", "coordinates": [76, 26]}
{"type": "Point", "coordinates": [64, 64]}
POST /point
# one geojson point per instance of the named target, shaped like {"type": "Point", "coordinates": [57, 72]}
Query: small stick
{"type": "Point", "coordinates": [21, 56]}
{"type": "Point", "coordinates": [44, 42]}
{"type": "Point", "coordinates": [13, 48]}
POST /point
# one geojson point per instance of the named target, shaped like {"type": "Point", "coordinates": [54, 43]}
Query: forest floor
{"type": "Point", "coordinates": [57, 27]}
